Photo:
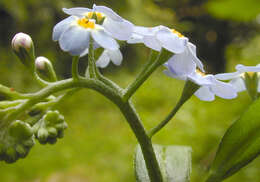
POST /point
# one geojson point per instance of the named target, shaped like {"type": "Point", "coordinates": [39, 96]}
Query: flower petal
{"type": "Point", "coordinates": [201, 80]}
{"type": "Point", "coordinates": [241, 68]}
{"type": "Point", "coordinates": [204, 93]}
{"type": "Point", "coordinates": [192, 50]}
{"type": "Point", "coordinates": [75, 40]}
{"type": "Point", "coordinates": [182, 64]}
{"type": "Point", "coordinates": [104, 40]}
{"type": "Point", "coordinates": [120, 30]}
{"type": "Point", "coordinates": [171, 41]}
{"type": "Point", "coordinates": [115, 56]}
{"type": "Point", "coordinates": [60, 27]}
{"type": "Point", "coordinates": [152, 42]}
{"type": "Point", "coordinates": [238, 84]}
{"type": "Point", "coordinates": [224, 90]}
{"type": "Point", "coordinates": [76, 11]}
{"type": "Point", "coordinates": [227, 76]}
{"type": "Point", "coordinates": [135, 39]}
{"type": "Point", "coordinates": [103, 60]}
{"type": "Point", "coordinates": [108, 12]}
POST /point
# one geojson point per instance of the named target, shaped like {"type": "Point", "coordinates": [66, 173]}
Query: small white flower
{"type": "Point", "coordinates": [237, 78]}
{"type": "Point", "coordinates": [209, 85]}
{"type": "Point", "coordinates": [73, 34]}
{"type": "Point", "coordinates": [115, 56]}
{"type": "Point", "coordinates": [118, 27]}
{"type": "Point", "coordinates": [160, 37]}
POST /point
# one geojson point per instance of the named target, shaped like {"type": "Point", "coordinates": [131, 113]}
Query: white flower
{"type": "Point", "coordinates": [160, 37]}
{"type": "Point", "coordinates": [73, 34]}
{"type": "Point", "coordinates": [115, 56]}
{"type": "Point", "coordinates": [237, 78]}
{"type": "Point", "coordinates": [209, 85]}
{"type": "Point", "coordinates": [118, 27]}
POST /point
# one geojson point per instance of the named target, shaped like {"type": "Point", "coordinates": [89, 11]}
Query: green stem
{"type": "Point", "coordinates": [91, 60]}
{"type": "Point", "coordinates": [189, 89]}
{"type": "Point", "coordinates": [74, 68]}
{"type": "Point", "coordinates": [41, 82]}
{"type": "Point", "coordinates": [147, 70]}
{"type": "Point", "coordinates": [151, 162]}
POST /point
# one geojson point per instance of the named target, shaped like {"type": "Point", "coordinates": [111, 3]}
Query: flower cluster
{"type": "Point", "coordinates": [104, 26]}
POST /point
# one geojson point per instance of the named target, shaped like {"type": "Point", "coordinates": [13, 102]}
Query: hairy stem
{"type": "Point", "coordinates": [74, 68]}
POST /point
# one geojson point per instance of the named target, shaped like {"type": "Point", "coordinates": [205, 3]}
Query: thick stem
{"type": "Point", "coordinates": [145, 142]}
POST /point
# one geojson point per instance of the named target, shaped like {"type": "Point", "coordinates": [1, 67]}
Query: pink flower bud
{"type": "Point", "coordinates": [21, 40]}
{"type": "Point", "coordinates": [40, 62]}
{"type": "Point", "coordinates": [45, 69]}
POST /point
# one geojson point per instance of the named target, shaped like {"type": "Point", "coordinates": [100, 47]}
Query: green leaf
{"type": "Point", "coordinates": [174, 162]}
{"type": "Point", "coordinates": [239, 146]}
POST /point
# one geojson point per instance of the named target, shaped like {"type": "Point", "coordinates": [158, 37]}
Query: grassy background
{"type": "Point", "coordinates": [98, 145]}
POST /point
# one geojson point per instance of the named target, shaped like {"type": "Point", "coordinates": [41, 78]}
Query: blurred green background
{"type": "Point", "coordinates": [98, 145]}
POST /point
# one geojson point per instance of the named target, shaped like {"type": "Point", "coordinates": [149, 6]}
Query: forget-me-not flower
{"type": "Point", "coordinates": [237, 79]}
{"type": "Point", "coordinates": [209, 85]}
{"type": "Point", "coordinates": [160, 37]}
{"type": "Point", "coordinates": [118, 27]}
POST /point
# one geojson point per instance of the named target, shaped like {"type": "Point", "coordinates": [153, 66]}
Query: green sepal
{"type": "Point", "coordinates": [26, 56]}
{"type": "Point", "coordinates": [174, 162]}
{"type": "Point", "coordinates": [251, 82]}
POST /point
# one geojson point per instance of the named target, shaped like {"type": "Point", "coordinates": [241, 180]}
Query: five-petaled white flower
{"type": "Point", "coordinates": [118, 27]}
{"type": "Point", "coordinates": [209, 85]}
{"type": "Point", "coordinates": [237, 79]}
{"type": "Point", "coordinates": [74, 33]}
{"type": "Point", "coordinates": [160, 37]}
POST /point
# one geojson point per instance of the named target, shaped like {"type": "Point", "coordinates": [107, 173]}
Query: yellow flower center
{"type": "Point", "coordinates": [85, 23]}
{"type": "Point", "coordinates": [99, 16]}
{"type": "Point", "coordinates": [200, 72]}
{"type": "Point", "coordinates": [177, 33]}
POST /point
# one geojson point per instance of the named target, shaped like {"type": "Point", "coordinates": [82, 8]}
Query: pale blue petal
{"type": "Point", "coordinates": [120, 30]}
{"type": "Point", "coordinates": [171, 41]}
{"type": "Point", "coordinates": [115, 56]}
{"type": "Point", "coordinates": [170, 74]}
{"type": "Point", "coordinates": [60, 27]}
{"type": "Point", "coordinates": [241, 68]}
{"type": "Point", "coordinates": [238, 84]}
{"type": "Point", "coordinates": [182, 64]}
{"type": "Point", "coordinates": [224, 90]}
{"type": "Point", "coordinates": [108, 12]}
{"type": "Point", "coordinates": [76, 11]}
{"type": "Point", "coordinates": [104, 40]}
{"type": "Point", "coordinates": [201, 80]}
{"type": "Point", "coordinates": [75, 40]}
{"type": "Point", "coordinates": [103, 60]}
{"type": "Point", "coordinates": [152, 42]}
{"type": "Point", "coordinates": [204, 93]}
{"type": "Point", "coordinates": [227, 76]}
{"type": "Point", "coordinates": [146, 30]}
{"type": "Point", "coordinates": [135, 39]}
{"type": "Point", "coordinates": [192, 49]}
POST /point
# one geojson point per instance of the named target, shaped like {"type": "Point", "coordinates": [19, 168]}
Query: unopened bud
{"type": "Point", "coordinates": [45, 69]}
{"type": "Point", "coordinates": [23, 47]}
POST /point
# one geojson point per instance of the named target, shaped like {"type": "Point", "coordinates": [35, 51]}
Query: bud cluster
{"type": "Point", "coordinates": [16, 141]}
{"type": "Point", "coordinates": [50, 127]}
